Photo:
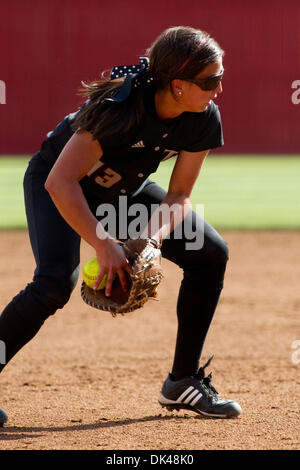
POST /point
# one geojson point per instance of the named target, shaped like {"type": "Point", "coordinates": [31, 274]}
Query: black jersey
{"type": "Point", "coordinates": [128, 159]}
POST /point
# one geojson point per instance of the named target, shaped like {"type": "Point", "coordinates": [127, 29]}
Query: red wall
{"type": "Point", "coordinates": [49, 46]}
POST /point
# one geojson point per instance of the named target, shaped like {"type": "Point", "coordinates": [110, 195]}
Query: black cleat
{"type": "Point", "coordinates": [196, 393]}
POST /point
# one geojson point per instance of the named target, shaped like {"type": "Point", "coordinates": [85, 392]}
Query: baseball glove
{"type": "Point", "coordinates": [144, 257]}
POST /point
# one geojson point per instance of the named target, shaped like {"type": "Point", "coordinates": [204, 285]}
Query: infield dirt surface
{"type": "Point", "coordinates": [90, 381]}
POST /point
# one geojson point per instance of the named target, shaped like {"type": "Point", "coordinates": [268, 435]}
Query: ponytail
{"type": "Point", "coordinates": [103, 117]}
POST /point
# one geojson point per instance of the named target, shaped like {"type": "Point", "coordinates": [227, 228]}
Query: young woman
{"type": "Point", "coordinates": [145, 113]}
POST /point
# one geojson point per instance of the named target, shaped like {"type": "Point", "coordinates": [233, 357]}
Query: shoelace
{"type": "Point", "coordinates": [206, 380]}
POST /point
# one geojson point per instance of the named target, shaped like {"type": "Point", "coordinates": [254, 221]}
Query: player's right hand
{"type": "Point", "coordinates": [112, 261]}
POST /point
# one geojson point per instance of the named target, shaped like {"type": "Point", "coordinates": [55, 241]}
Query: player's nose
{"type": "Point", "coordinates": [219, 88]}
{"type": "Point", "coordinates": [217, 91]}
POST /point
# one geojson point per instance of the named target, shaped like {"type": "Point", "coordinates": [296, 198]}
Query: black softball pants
{"type": "Point", "coordinates": [56, 248]}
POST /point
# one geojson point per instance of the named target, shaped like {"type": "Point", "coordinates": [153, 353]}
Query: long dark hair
{"type": "Point", "coordinates": [179, 52]}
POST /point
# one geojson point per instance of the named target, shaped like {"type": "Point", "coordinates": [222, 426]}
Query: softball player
{"type": "Point", "coordinates": [145, 113]}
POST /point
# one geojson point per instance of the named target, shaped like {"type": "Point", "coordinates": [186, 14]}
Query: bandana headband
{"type": "Point", "coordinates": [136, 75]}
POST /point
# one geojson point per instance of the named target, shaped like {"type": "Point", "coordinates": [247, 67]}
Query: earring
{"type": "Point", "coordinates": [180, 93]}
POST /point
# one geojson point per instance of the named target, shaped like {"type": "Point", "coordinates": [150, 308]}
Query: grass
{"type": "Point", "coordinates": [12, 210]}
{"type": "Point", "coordinates": [246, 192]}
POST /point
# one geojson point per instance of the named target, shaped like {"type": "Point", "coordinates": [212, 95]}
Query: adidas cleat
{"type": "Point", "coordinates": [197, 394]}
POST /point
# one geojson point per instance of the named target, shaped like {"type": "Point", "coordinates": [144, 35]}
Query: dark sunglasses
{"type": "Point", "coordinates": [208, 83]}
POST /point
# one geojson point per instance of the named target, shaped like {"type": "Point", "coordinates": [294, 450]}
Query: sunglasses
{"type": "Point", "coordinates": [208, 83]}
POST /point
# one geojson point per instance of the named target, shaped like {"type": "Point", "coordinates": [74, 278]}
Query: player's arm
{"type": "Point", "coordinates": [185, 173]}
{"type": "Point", "coordinates": [78, 156]}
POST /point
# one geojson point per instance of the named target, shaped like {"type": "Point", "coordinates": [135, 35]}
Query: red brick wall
{"type": "Point", "coordinates": [48, 47]}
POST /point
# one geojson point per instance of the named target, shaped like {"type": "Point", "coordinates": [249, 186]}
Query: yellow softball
{"type": "Point", "coordinates": [90, 272]}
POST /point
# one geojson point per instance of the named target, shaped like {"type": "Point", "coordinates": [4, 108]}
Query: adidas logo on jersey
{"type": "Point", "coordinates": [139, 144]}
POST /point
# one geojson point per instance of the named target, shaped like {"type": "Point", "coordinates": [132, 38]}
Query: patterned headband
{"type": "Point", "coordinates": [136, 75]}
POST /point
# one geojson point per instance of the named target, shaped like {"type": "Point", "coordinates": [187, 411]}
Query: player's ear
{"type": "Point", "coordinates": [177, 87]}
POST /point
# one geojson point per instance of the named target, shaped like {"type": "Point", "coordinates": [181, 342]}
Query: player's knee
{"type": "Point", "coordinates": [60, 292]}
{"type": "Point", "coordinates": [56, 291]}
{"type": "Point", "coordinates": [207, 270]}
{"type": "Point", "coordinates": [213, 253]}
{"type": "Point", "coordinates": [221, 252]}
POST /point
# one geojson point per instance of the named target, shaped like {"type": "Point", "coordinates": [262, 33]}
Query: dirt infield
{"type": "Point", "coordinates": [88, 381]}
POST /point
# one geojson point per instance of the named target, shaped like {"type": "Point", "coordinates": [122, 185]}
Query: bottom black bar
{"type": "Point", "coordinates": [157, 458]}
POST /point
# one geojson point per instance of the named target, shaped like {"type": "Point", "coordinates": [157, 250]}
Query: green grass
{"type": "Point", "coordinates": [247, 192]}
{"type": "Point", "coordinates": [12, 210]}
